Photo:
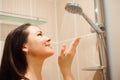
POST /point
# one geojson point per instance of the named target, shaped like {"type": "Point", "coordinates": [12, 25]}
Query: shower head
{"type": "Point", "coordinates": [73, 8]}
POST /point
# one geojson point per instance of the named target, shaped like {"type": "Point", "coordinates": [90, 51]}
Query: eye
{"type": "Point", "coordinates": [40, 33]}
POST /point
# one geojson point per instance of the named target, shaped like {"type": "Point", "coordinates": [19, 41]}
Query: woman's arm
{"type": "Point", "coordinates": [65, 59]}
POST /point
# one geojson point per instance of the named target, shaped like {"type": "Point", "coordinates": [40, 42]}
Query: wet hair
{"type": "Point", "coordinates": [14, 63]}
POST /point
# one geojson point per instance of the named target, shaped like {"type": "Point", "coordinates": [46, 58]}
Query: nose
{"type": "Point", "coordinates": [48, 39]}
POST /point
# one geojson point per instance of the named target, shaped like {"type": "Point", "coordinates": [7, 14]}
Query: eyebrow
{"type": "Point", "coordinates": [39, 32]}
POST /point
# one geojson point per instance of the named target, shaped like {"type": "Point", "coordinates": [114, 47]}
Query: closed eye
{"type": "Point", "coordinates": [40, 33]}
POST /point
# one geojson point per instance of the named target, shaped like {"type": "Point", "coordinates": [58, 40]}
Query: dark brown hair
{"type": "Point", "coordinates": [14, 64]}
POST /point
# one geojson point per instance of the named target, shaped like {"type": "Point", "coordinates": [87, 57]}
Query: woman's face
{"type": "Point", "coordinates": [37, 43]}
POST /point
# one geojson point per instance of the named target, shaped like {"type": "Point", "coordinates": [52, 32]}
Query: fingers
{"type": "Point", "coordinates": [74, 44]}
{"type": "Point", "coordinates": [72, 47]}
{"type": "Point", "coordinates": [63, 48]}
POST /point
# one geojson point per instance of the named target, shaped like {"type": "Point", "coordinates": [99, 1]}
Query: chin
{"type": "Point", "coordinates": [50, 53]}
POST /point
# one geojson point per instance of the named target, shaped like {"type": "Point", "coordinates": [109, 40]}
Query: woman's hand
{"type": "Point", "coordinates": [65, 59]}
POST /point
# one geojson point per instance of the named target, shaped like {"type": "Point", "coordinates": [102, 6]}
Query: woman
{"type": "Point", "coordinates": [25, 50]}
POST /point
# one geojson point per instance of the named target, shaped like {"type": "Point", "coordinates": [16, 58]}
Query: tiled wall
{"type": "Point", "coordinates": [62, 27]}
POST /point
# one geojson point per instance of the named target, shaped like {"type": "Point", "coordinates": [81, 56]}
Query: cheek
{"type": "Point", "coordinates": [39, 49]}
{"type": "Point", "coordinates": [35, 47]}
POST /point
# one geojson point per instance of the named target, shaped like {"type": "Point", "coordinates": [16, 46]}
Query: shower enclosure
{"type": "Point", "coordinates": [75, 8]}
{"type": "Point", "coordinates": [99, 28]}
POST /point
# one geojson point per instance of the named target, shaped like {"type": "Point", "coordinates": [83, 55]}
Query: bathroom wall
{"type": "Point", "coordinates": [112, 19]}
{"type": "Point", "coordinates": [0, 30]}
{"type": "Point", "coordinates": [62, 27]}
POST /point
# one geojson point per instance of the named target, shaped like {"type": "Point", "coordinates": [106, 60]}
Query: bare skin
{"type": "Point", "coordinates": [65, 59]}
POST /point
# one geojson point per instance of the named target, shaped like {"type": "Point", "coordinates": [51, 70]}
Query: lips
{"type": "Point", "coordinates": [48, 45]}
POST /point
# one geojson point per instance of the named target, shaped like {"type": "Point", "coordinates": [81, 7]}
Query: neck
{"type": "Point", "coordinates": [34, 68]}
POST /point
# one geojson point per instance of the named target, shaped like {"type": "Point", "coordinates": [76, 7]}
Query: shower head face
{"type": "Point", "coordinates": [73, 8]}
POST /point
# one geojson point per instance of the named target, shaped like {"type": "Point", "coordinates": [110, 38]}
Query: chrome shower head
{"type": "Point", "coordinates": [73, 8]}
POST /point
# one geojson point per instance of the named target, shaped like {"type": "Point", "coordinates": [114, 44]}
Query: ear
{"type": "Point", "coordinates": [25, 48]}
